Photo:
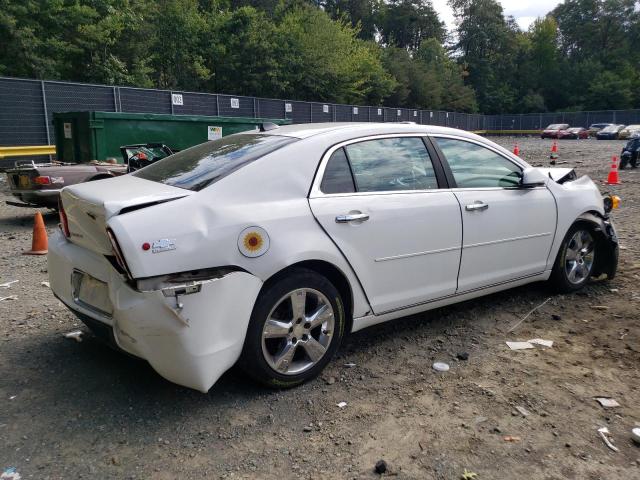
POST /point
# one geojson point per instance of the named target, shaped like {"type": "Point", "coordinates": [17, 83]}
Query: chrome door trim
{"type": "Point", "coordinates": [416, 254]}
{"type": "Point", "coordinates": [504, 240]}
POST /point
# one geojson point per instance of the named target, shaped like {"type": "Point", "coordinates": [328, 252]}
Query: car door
{"type": "Point", "coordinates": [508, 231]}
{"type": "Point", "coordinates": [379, 200]}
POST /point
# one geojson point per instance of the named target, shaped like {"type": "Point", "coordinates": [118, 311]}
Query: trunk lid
{"type": "Point", "coordinates": [88, 206]}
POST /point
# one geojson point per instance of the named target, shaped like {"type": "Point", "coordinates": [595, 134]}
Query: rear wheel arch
{"type": "Point", "coordinates": [331, 273]}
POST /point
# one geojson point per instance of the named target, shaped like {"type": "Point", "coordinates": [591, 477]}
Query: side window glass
{"type": "Point", "coordinates": [474, 166]}
{"type": "Point", "coordinates": [389, 164]}
{"type": "Point", "coordinates": [337, 175]}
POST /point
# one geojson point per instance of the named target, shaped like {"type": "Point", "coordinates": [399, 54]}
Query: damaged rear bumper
{"type": "Point", "coordinates": [191, 340]}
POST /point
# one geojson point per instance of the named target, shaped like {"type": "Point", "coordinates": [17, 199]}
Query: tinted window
{"type": "Point", "coordinates": [391, 164]}
{"type": "Point", "coordinates": [474, 166]}
{"type": "Point", "coordinates": [202, 165]}
{"type": "Point", "coordinates": [337, 175]}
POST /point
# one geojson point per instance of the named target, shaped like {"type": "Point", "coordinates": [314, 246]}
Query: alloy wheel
{"type": "Point", "coordinates": [298, 331]}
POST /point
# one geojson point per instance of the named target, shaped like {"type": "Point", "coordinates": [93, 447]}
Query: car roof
{"type": "Point", "coordinates": [307, 130]}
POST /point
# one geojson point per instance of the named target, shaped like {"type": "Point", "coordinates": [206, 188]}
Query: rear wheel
{"type": "Point", "coordinates": [295, 329]}
{"type": "Point", "coordinates": [576, 258]}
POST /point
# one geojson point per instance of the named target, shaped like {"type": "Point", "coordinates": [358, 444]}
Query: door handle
{"type": "Point", "coordinates": [476, 206]}
{"type": "Point", "coordinates": [352, 217]}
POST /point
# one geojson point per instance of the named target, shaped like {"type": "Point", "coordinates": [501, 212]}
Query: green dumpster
{"type": "Point", "coordinates": [85, 136]}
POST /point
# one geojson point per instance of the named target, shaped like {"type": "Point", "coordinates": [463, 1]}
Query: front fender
{"type": "Point", "coordinates": [606, 244]}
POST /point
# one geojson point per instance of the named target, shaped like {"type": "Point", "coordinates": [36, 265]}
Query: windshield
{"type": "Point", "coordinates": [557, 126]}
{"type": "Point", "coordinates": [633, 127]}
{"type": "Point", "coordinates": [611, 129]}
{"type": "Point", "coordinates": [198, 167]}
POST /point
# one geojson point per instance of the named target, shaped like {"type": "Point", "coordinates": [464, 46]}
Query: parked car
{"type": "Point", "coordinates": [268, 247]}
{"type": "Point", "coordinates": [39, 184]}
{"type": "Point", "coordinates": [596, 127]}
{"type": "Point", "coordinates": [629, 131]}
{"type": "Point", "coordinates": [630, 153]}
{"type": "Point", "coordinates": [552, 130]}
{"type": "Point", "coordinates": [609, 133]}
{"type": "Point", "coordinates": [573, 133]}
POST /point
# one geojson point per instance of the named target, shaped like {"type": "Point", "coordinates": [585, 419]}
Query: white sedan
{"type": "Point", "coordinates": [266, 248]}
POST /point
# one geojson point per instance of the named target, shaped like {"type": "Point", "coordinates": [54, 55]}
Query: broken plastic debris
{"type": "Point", "coordinates": [349, 365]}
{"type": "Point", "coordinates": [635, 435]}
{"type": "Point", "coordinates": [45, 284]}
{"type": "Point", "coordinates": [519, 345]}
{"type": "Point", "coordinates": [467, 475]}
{"type": "Point", "coordinates": [604, 432]}
{"type": "Point", "coordinates": [10, 474]}
{"type": "Point", "coordinates": [75, 335]}
{"type": "Point", "coordinates": [523, 411]}
{"type": "Point", "coordinates": [607, 402]}
{"type": "Point", "coordinates": [529, 344]}
{"type": "Point", "coordinates": [8, 284]}
{"type": "Point", "coordinates": [342, 404]}
{"type": "Point", "coordinates": [10, 297]}
{"type": "Point", "coordinates": [511, 438]}
{"type": "Point", "coordinates": [440, 367]}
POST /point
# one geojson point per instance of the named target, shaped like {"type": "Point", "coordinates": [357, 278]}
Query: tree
{"type": "Point", "coordinates": [406, 23]}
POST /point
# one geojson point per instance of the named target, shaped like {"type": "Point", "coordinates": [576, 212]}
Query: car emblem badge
{"type": "Point", "coordinates": [253, 242]}
{"type": "Point", "coordinates": [163, 245]}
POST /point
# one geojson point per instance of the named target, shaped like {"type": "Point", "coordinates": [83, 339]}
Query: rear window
{"type": "Point", "coordinates": [198, 167]}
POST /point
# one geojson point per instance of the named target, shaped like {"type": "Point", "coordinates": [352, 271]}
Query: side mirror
{"type": "Point", "coordinates": [532, 177]}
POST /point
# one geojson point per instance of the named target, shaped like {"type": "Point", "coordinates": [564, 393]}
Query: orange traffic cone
{"type": "Point", "coordinates": [516, 150]}
{"type": "Point", "coordinates": [40, 243]}
{"type": "Point", "coordinates": [613, 178]}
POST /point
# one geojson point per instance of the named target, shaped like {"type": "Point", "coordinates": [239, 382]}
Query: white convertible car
{"type": "Point", "coordinates": [265, 248]}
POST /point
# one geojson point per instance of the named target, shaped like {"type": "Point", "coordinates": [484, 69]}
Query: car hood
{"type": "Point", "coordinates": [558, 175]}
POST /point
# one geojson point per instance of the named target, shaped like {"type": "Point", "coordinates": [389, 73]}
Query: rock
{"type": "Point", "coordinates": [381, 467]}
{"type": "Point", "coordinates": [330, 380]}
{"type": "Point", "coordinates": [462, 356]}
{"type": "Point", "coordinates": [556, 316]}
{"type": "Point", "coordinates": [307, 429]}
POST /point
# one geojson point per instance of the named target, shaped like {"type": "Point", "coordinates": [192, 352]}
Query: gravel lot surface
{"type": "Point", "coordinates": [80, 410]}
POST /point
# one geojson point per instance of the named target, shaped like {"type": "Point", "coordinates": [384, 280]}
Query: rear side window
{"type": "Point", "coordinates": [337, 175]}
{"type": "Point", "coordinates": [390, 164]}
{"type": "Point", "coordinates": [198, 167]}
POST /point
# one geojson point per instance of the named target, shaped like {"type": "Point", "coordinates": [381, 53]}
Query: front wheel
{"type": "Point", "coordinates": [295, 329]}
{"type": "Point", "coordinates": [576, 258]}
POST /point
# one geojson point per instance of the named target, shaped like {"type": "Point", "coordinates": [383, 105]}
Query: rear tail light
{"type": "Point", "coordinates": [42, 180]}
{"type": "Point", "coordinates": [118, 253]}
{"type": "Point", "coordinates": [64, 223]}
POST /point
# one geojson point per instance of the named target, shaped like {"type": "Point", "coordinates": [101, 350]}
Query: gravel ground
{"type": "Point", "coordinates": [80, 410]}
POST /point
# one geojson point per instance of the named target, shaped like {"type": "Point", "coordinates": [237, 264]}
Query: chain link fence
{"type": "Point", "coordinates": [27, 108]}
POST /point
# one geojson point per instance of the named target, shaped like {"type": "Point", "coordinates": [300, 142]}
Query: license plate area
{"type": "Point", "coordinates": [91, 293]}
{"type": "Point", "coordinates": [24, 181]}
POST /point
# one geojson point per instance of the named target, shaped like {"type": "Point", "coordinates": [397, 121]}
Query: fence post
{"type": "Point", "coordinates": [254, 108]}
{"type": "Point", "coordinates": [171, 100]}
{"type": "Point", "coordinates": [310, 112]}
{"type": "Point", "coordinates": [115, 100]}
{"type": "Point", "coordinates": [46, 113]}
{"type": "Point", "coordinates": [217, 106]}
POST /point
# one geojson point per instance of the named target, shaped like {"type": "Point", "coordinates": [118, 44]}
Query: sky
{"type": "Point", "coordinates": [524, 11]}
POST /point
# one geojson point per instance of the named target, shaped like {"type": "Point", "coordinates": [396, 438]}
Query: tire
{"type": "Point", "coordinates": [624, 160]}
{"type": "Point", "coordinates": [283, 348]}
{"type": "Point", "coordinates": [576, 259]}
